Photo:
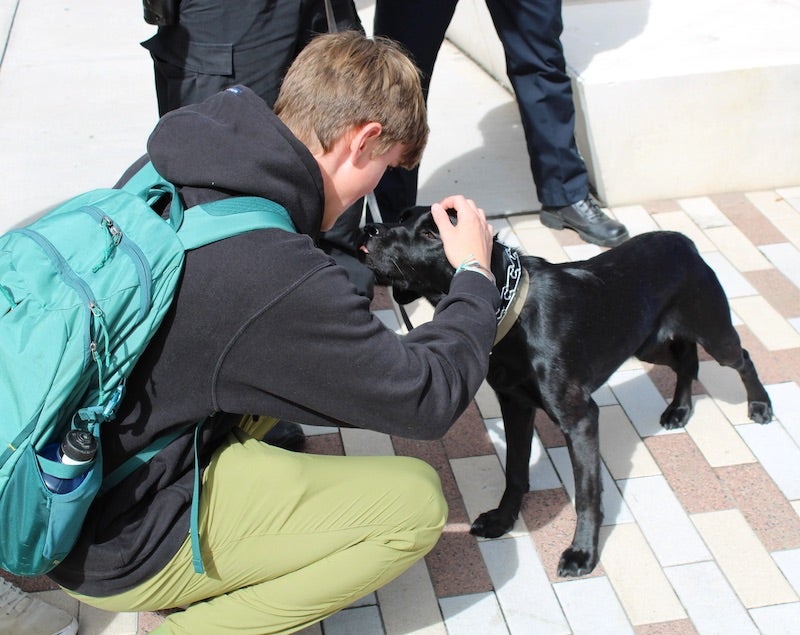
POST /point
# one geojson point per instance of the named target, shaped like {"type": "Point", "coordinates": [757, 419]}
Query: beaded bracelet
{"type": "Point", "coordinates": [470, 263]}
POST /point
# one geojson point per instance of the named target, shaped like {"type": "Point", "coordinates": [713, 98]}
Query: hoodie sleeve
{"type": "Point", "coordinates": [341, 365]}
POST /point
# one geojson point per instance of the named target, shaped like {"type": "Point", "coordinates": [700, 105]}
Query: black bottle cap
{"type": "Point", "coordinates": [79, 445]}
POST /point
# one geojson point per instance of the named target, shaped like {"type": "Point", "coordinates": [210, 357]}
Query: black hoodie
{"type": "Point", "coordinates": [265, 323]}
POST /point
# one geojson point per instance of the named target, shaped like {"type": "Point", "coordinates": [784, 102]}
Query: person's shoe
{"type": "Point", "coordinates": [24, 614]}
{"type": "Point", "coordinates": [286, 435]}
{"type": "Point", "coordinates": [586, 218]}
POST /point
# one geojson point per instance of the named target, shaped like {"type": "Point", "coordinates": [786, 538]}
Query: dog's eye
{"type": "Point", "coordinates": [427, 233]}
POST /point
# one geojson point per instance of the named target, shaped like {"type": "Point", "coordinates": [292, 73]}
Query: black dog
{"type": "Point", "coordinates": [652, 297]}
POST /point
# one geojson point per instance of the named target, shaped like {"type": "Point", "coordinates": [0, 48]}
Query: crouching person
{"type": "Point", "coordinates": [265, 322]}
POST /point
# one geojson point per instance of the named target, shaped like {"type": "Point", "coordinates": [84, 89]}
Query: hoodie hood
{"type": "Point", "coordinates": [232, 143]}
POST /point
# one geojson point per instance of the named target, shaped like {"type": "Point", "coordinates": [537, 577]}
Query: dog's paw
{"type": "Point", "coordinates": [675, 417]}
{"type": "Point", "coordinates": [576, 562]}
{"type": "Point", "coordinates": [492, 524]}
{"type": "Point", "coordinates": [759, 411]}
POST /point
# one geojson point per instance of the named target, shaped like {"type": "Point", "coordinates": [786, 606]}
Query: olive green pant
{"type": "Point", "coordinates": [289, 539]}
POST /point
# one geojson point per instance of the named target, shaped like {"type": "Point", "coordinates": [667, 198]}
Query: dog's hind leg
{"type": "Point", "coordinates": [683, 360]}
{"type": "Point", "coordinates": [759, 406]}
{"type": "Point", "coordinates": [707, 316]}
{"type": "Point", "coordinates": [584, 449]}
{"type": "Point", "coordinates": [725, 347]}
{"type": "Point", "coordinates": [518, 423]}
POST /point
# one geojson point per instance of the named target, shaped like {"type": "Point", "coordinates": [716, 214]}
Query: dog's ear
{"type": "Point", "coordinates": [413, 212]}
{"type": "Point", "coordinates": [404, 296]}
{"type": "Point", "coordinates": [451, 214]}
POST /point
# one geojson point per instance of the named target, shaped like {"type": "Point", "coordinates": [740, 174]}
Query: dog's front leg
{"type": "Point", "coordinates": [518, 422]}
{"type": "Point", "coordinates": [584, 450]}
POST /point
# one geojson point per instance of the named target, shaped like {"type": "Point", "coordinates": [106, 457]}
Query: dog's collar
{"type": "Point", "coordinates": [512, 295]}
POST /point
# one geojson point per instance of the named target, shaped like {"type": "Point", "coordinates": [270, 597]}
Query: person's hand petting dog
{"type": "Point", "coordinates": [470, 239]}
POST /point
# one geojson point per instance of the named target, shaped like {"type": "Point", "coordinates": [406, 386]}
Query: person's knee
{"type": "Point", "coordinates": [426, 501]}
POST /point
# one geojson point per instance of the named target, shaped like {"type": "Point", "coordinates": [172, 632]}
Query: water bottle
{"type": "Point", "coordinates": [77, 448]}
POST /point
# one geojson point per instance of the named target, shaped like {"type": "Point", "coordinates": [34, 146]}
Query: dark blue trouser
{"type": "Point", "coordinates": [529, 31]}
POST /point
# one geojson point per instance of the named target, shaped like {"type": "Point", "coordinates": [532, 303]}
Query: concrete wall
{"type": "Point", "coordinates": [674, 97]}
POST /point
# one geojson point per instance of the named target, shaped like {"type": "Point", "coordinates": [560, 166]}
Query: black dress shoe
{"type": "Point", "coordinates": [586, 218]}
{"type": "Point", "coordinates": [286, 435]}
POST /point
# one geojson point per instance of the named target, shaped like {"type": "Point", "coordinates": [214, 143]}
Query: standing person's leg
{"type": "Point", "coordinates": [530, 32]}
{"type": "Point", "coordinates": [289, 539]}
{"type": "Point", "coordinates": [215, 45]}
{"type": "Point", "coordinates": [420, 26]}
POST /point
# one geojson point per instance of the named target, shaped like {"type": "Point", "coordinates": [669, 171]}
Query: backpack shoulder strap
{"type": "Point", "coordinates": [209, 222]}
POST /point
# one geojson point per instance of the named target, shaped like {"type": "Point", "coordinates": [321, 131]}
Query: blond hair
{"type": "Point", "coordinates": [342, 80]}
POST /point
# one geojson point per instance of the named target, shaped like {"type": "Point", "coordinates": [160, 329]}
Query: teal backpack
{"type": "Point", "coordinates": [82, 291]}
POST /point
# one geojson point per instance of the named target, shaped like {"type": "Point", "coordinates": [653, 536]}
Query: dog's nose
{"type": "Point", "coordinates": [371, 230]}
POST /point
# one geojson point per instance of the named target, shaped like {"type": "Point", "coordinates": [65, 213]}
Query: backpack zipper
{"type": "Point", "coordinates": [132, 250]}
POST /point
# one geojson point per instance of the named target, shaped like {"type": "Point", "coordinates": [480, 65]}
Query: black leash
{"type": "Point", "coordinates": [406, 320]}
{"type": "Point", "coordinates": [503, 215]}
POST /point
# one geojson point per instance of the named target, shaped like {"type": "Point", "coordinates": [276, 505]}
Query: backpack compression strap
{"type": "Point", "coordinates": [142, 457]}
{"type": "Point", "coordinates": [194, 523]}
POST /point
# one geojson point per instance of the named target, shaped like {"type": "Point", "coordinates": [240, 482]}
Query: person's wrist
{"type": "Point", "coordinates": [470, 263]}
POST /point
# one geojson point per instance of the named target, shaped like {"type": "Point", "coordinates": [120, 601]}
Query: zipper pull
{"type": "Point", "coordinates": [114, 231]}
{"type": "Point", "coordinates": [114, 238]}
